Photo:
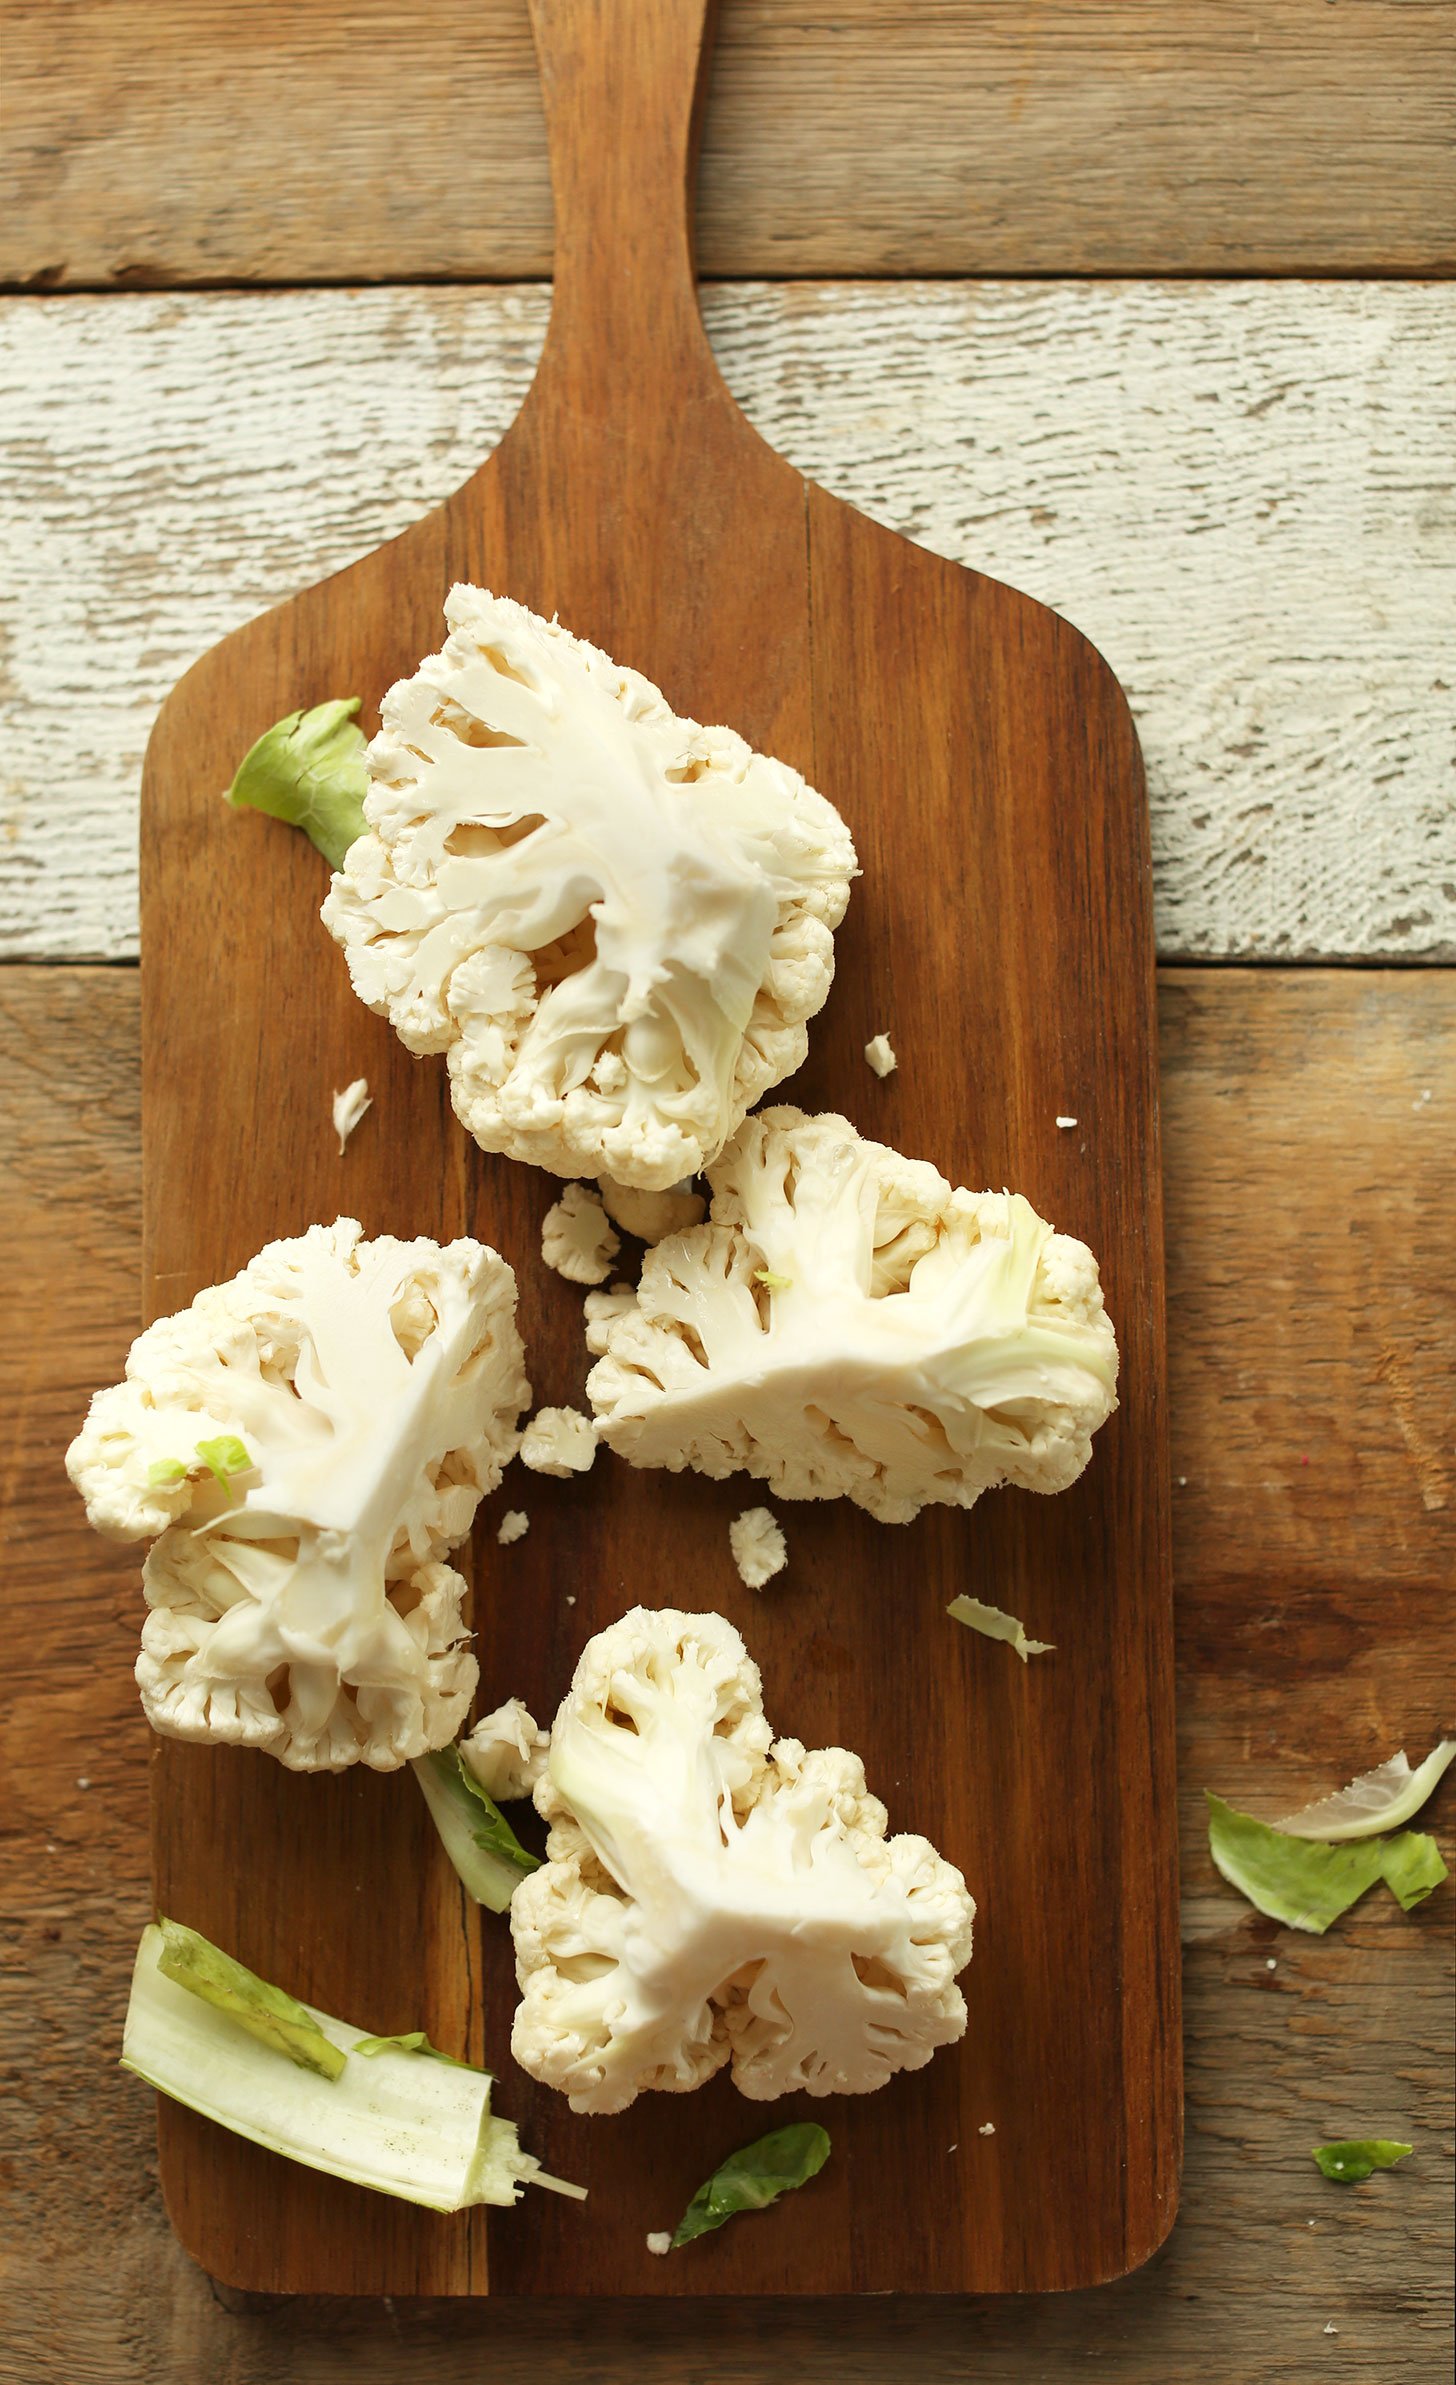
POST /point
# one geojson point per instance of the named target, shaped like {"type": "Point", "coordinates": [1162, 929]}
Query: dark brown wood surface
{"type": "Point", "coordinates": [987, 765]}
{"type": "Point", "coordinates": [1312, 1608]}
{"type": "Point", "coordinates": [161, 142]}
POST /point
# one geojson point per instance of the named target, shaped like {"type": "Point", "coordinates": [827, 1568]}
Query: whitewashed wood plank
{"type": "Point", "coordinates": [1241, 491]}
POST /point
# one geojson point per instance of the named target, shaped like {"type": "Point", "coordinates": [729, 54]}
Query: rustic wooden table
{"type": "Point", "coordinates": [1240, 488]}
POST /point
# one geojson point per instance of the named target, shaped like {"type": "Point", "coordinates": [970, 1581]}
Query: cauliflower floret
{"type": "Point", "coordinates": [602, 1309]}
{"type": "Point", "coordinates": [559, 1441]}
{"type": "Point", "coordinates": [848, 1326]}
{"type": "Point", "coordinates": [613, 921]}
{"type": "Point", "coordinates": [576, 1239]}
{"type": "Point", "coordinates": [653, 1215]}
{"type": "Point", "coordinates": [880, 1053]}
{"type": "Point", "coordinates": [358, 1400]}
{"type": "Point", "coordinates": [759, 1550]}
{"type": "Point", "coordinates": [710, 1896]}
{"type": "Point", "coordinates": [506, 1752]}
{"type": "Point", "coordinates": [514, 1525]}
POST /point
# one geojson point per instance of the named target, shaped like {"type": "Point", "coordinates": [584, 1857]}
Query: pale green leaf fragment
{"type": "Point", "coordinates": [1294, 1880]}
{"type": "Point", "coordinates": [268, 2013]}
{"type": "Point", "coordinates": [308, 769]}
{"type": "Point", "coordinates": [225, 1457]}
{"type": "Point", "coordinates": [754, 2177]}
{"type": "Point", "coordinates": [1356, 2157]}
{"type": "Point", "coordinates": [1378, 1800]}
{"type": "Point", "coordinates": [1412, 1867]}
{"type": "Point", "coordinates": [413, 2042]}
{"type": "Point", "coordinates": [165, 1473]}
{"type": "Point", "coordinates": [997, 1626]}
{"type": "Point", "coordinates": [474, 1833]}
{"type": "Point", "coordinates": [772, 1282]}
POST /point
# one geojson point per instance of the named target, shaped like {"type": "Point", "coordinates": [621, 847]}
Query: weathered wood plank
{"type": "Point", "coordinates": [177, 141]}
{"type": "Point", "coordinates": [1304, 1176]}
{"type": "Point", "coordinates": [1240, 492]}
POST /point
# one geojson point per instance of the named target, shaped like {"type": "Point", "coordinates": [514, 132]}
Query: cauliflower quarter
{"type": "Point", "coordinates": [302, 1607]}
{"type": "Point", "coordinates": [848, 1326]}
{"type": "Point", "coordinates": [714, 1896]}
{"type": "Point", "coordinates": [615, 923]}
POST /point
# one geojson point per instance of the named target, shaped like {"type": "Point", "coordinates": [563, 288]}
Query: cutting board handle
{"type": "Point", "coordinates": [623, 84]}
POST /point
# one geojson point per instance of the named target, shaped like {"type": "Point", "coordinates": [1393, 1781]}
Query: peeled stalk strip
{"type": "Point", "coordinates": [995, 1624]}
{"type": "Point", "coordinates": [1378, 1800]}
{"type": "Point", "coordinates": [406, 2126]}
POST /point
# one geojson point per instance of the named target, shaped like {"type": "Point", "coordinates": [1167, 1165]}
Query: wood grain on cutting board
{"type": "Point", "coordinates": [985, 761]}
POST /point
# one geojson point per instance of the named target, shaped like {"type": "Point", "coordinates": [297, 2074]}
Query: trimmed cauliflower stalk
{"type": "Point", "coordinates": [848, 1326]}
{"type": "Point", "coordinates": [713, 1896]}
{"type": "Point", "coordinates": [358, 1400]}
{"type": "Point", "coordinates": [615, 923]}
{"type": "Point", "coordinates": [576, 1238]}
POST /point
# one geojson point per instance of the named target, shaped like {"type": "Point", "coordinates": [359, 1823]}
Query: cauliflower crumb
{"type": "Point", "coordinates": [986, 2129]}
{"type": "Point", "coordinates": [514, 1525]}
{"type": "Point", "coordinates": [559, 1441]}
{"type": "Point", "coordinates": [1066, 1122]}
{"type": "Point", "coordinates": [576, 1238]}
{"type": "Point", "coordinates": [659, 2241]}
{"type": "Point", "coordinates": [349, 1108]}
{"type": "Point", "coordinates": [652, 1216]}
{"type": "Point", "coordinates": [757, 1541]}
{"type": "Point", "coordinates": [880, 1053]}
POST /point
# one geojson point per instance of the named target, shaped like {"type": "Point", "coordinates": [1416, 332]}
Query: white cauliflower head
{"type": "Point", "coordinates": [848, 1326]}
{"type": "Point", "coordinates": [308, 1441]}
{"type": "Point", "coordinates": [613, 921]}
{"type": "Point", "coordinates": [712, 1896]}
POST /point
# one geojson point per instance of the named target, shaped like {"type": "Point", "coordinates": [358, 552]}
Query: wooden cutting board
{"type": "Point", "coordinates": [987, 764]}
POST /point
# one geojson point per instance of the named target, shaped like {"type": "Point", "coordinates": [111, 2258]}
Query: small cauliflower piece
{"type": "Point", "coordinates": [653, 1215]}
{"type": "Point", "coordinates": [559, 1441]}
{"type": "Point", "coordinates": [759, 1548]}
{"type": "Point", "coordinates": [298, 1602]}
{"type": "Point", "coordinates": [880, 1053]}
{"type": "Point", "coordinates": [711, 1895]}
{"type": "Point", "coordinates": [576, 1238]}
{"type": "Point", "coordinates": [615, 923]}
{"type": "Point", "coordinates": [514, 1525]}
{"type": "Point", "coordinates": [349, 1108]}
{"type": "Point", "coordinates": [601, 1311]}
{"type": "Point", "coordinates": [848, 1326]}
{"type": "Point", "coordinates": [506, 1752]}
